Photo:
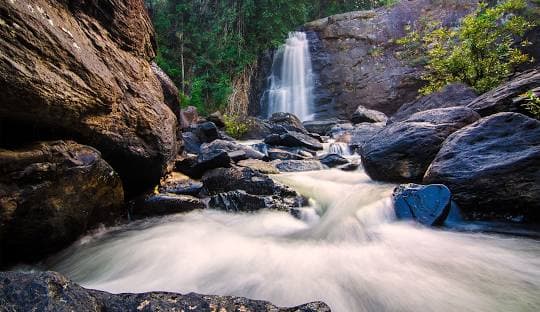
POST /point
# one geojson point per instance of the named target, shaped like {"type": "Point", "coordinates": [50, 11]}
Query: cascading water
{"type": "Point", "coordinates": [348, 251]}
{"type": "Point", "coordinates": [291, 79]}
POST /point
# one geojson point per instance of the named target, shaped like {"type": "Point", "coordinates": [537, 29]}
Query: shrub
{"type": "Point", "coordinates": [236, 126]}
{"type": "Point", "coordinates": [481, 52]}
{"type": "Point", "coordinates": [532, 104]}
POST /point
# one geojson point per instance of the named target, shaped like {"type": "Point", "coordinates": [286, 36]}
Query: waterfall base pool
{"type": "Point", "coordinates": [348, 251]}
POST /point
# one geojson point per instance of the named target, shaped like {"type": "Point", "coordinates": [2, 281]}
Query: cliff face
{"type": "Point", "coordinates": [81, 69]}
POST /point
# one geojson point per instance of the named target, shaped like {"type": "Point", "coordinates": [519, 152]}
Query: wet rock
{"type": "Point", "coordinates": [351, 166]}
{"type": "Point", "coordinates": [192, 144]}
{"type": "Point", "coordinates": [84, 68]}
{"type": "Point", "coordinates": [189, 117]}
{"type": "Point", "coordinates": [402, 151]}
{"type": "Point", "coordinates": [363, 133]}
{"type": "Point", "coordinates": [293, 139]}
{"type": "Point", "coordinates": [177, 183]}
{"type": "Point", "coordinates": [279, 153]}
{"type": "Point", "coordinates": [261, 148]}
{"type": "Point", "coordinates": [50, 291]}
{"type": "Point", "coordinates": [288, 121]}
{"type": "Point", "coordinates": [492, 167]}
{"type": "Point", "coordinates": [362, 114]}
{"type": "Point", "coordinates": [195, 166]}
{"type": "Point", "coordinates": [222, 180]}
{"type": "Point", "coordinates": [333, 160]}
{"type": "Point", "coordinates": [50, 194]}
{"type": "Point", "coordinates": [259, 165]}
{"type": "Point", "coordinates": [452, 95]}
{"type": "Point", "coordinates": [427, 204]}
{"type": "Point", "coordinates": [321, 126]}
{"type": "Point", "coordinates": [508, 97]}
{"type": "Point", "coordinates": [163, 204]}
{"type": "Point", "coordinates": [207, 132]}
{"type": "Point", "coordinates": [217, 118]}
{"type": "Point", "coordinates": [339, 148]}
{"type": "Point", "coordinates": [235, 150]}
{"type": "Point", "coordinates": [240, 201]}
{"type": "Point", "coordinates": [298, 165]}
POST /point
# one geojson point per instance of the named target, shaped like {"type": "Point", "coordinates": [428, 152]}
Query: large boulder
{"type": "Point", "coordinates": [362, 114]}
{"type": "Point", "coordinates": [321, 127]}
{"type": "Point", "coordinates": [509, 96]}
{"type": "Point", "coordinates": [241, 201]}
{"type": "Point", "coordinates": [492, 167]}
{"type": "Point", "coordinates": [293, 139]}
{"type": "Point", "coordinates": [223, 180]}
{"type": "Point", "coordinates": [402, 151]}
{"type": "Point", "coordinates": [355, 58]}
{"type": "Point", "coordinates": [288, 121]}
{"type": "Point", "coordinates": [170, 91]}
{"type": "Point", "coordinates": [196, 165]}
{"type": "Point", "coordinates": [456, 94]}
{"type": "Point", "coordinates": [362, 133]}
{"type": "Point", "coordinates": [83, 68]}
{"type": "Point", "coordinates": [235, 150]}
{"type": "Point", "coordinates": [50, 194]}
{"type": "Point", "coordinates": [427, 204]}
{"type": "Point", "coordinates": [50, 291]}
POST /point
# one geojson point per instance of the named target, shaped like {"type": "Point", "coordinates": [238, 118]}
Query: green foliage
{"type": "Point", "coordinates": [203, 45]}
{"type": "Point", "coordinates": [532, 104]}
{"type": "Point", "coordinates": [481, 52]}
{"type": "Point", "coordinates": [236, 126]}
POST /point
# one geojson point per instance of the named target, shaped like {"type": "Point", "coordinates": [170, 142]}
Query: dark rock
{"type": "Point", "coordinates": [50, 194]}
{"type": "Point", "coordinates": [207, 132]}
{"type": "Point", "coordinates": [333, 160]}
{"type": "Point", "coordinates": [235, 150]}
{"type": "Point", "coordinates": [259, 165]}
{"type": "Point", "coordinates": [452, 95]}
{"type": "Point", "coordinates": [189, 117]}
{"type": "Point", "coordinates": [317, 137]}
{"type": "Point", "coordinates": [362, 114]}
{"type": "Point", "coordinates": [492, 167]}
{"type": "Point", "coordinates": [170, 91]}
{"type": "Point", "coordinates": [192, 144]}
{"type": "Point", "coordinates": [351, 166]}
{"type": "Point", "coordinates": [402, 151]}
{"type": "Point", "coordinates": [223, 180]}
{"type": "Point", "coordinates": [177, 183]}
{"type": "Point", "coordinates": [258, 129]}
{"type": "Point", "coordinates": [240, 201]}
{"type": "Point", "coordinates": [217, 119]}
{"type": "Point", "coordinates": [340, 130]}
{"type": "Point", "coordinates": [427, 204]}
{"type": "Point", "coordinates": [282, 154]}
{"type": "Point", "coordinates": [508, 97]}
{"type": "Point", "coordinates": [50, 291]}
{"type": "Point", "coordinates": [288, 121]}
{"type": "Point", "coordinates": [298, 165]}
{"type": "Point", "coordinates": [363, 133]}
{"type": "Point", "coordinates": [163, 204]}
{"type": "Point", "coordinates": [83, 69]}
{"type": "Point", "coordinates": [293, 139]}
{"type": "Point", "coordinates": [321, 127]}
{"type": "Point", "coordinates": [195, 166]}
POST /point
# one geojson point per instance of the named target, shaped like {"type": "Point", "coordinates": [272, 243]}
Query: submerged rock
{"type": "Point", "coordinates": [362, 114]}
{"type": "Point", "coordinates": [50, 194]}
{"type": "Point", "coordinates": [402, 151]}
{"type": "Point", "coordinates": [427, 204]}
{"type": "Point", "coordinates": [50, 291]}
{"type": "Point", "coordinates": [83, 69]}
{"type": "Point", "coordinates": [493, 167]}
{"type": "Point", "coordinates": [333, 160]}
{"type": "Point", "coordinates": [163, 204]}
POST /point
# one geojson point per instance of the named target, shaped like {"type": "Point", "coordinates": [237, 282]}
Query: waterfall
{"type": "Point", "coordinates": [339, 148]}
{"type": "Point", "coordinates": [291, 80]}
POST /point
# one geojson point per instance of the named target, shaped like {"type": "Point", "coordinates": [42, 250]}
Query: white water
{"type": "Point", "coordinates": [291, 80]}
{"type": "Point", "coordinates": [355, 257]}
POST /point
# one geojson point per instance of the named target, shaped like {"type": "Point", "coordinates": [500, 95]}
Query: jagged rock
{"type": "Point", "coordinates": [333, 160]}
{"type": "Point", "coordinates": [82, 68]}
{"type": "Point", "coordinates": [50, 193]}
{"type": "Point", "coordinates": [293, 139]}
{"type": "Point", "coordinates": [427, 204]}
{"type": "Point", "coordinates": [192, 144]}
{"type": "Point", "coordinates": [177, 183]}
{"type": "Point", "coordinates": [240, 201]}
{"type": "Point", "coordinates": [492, 167]}
{"type": "Point", "coordinates": [50, 291]}
{"type": "Point", "coordinates": [195, 166]}
{"type": "Point", "coordinates": [298, 165]}
{"type": "Point", "coordinates": [363, 133]}
{"type": "Point", "coordinates": [288, 121]}
{"type": "Point", "coordinates": [363, 114]}
{"type": "Point", "coordinates": [402, 151]}
{"type": "Point", "coordinates": [322, 127]}
{"type": "Point", "coordinates": [259, 165]}
{"type": "Point", "coordinates": [452, 95]}
{"type": "Point", "coordinates": [508, 97]}
{"type": "Point", "coordinates": [217, 119]}
{"type": "Point", "coordinates": [223, 180]}
{"type": "Point", "coordinates": [207, 132]}
{"type": "Point", "coordinates": [189, 117]}
{"type": "Point", "coordinates": [235, 150]}
{"type": "Point", "coordinates": [163, 204]}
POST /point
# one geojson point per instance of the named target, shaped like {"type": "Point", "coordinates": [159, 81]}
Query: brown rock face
{"type": "Point", "coordinates": [354, 56]}
{"type": "Point", "coordinates": [50, 193]}
{"type": "Point", "coordinates": [82, 67]}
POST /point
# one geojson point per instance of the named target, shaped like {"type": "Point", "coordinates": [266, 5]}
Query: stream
{"type": "Point", "coordinates": [347, 250]}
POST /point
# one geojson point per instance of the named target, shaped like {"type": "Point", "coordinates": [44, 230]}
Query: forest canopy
{"type": "Point", "coordinates": [204, 44]}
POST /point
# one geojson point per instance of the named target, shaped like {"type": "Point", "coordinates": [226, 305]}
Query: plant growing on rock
{"type": "Point", "coordinates": [532, 104]}
{"type": "Point", "coordinates": [236, 126]}
{"type": "Point", "coordinates": [481, 52]}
